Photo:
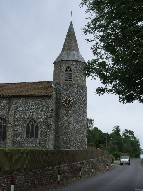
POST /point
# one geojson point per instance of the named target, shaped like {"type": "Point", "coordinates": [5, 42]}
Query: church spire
{"type": "Point", "coordinates": [70, 50]}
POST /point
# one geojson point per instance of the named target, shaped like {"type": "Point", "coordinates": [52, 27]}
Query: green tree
{"type": "Point", "coordinates": [123, 144]}
{"type": "Point", "coordinates": [131, 144]}
{"type": "Point", "coordinates": [116, 138]}
{"type": "Point", "coordinates": [94, 137]}
{"type": "Point", "coordinates": [116, 30]}
{"type": "Point", "coordinates": [90, 123]}
{"type": "Point", "coordinates": [116, 143]}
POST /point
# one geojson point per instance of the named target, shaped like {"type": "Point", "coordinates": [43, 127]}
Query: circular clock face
{"type": "Point", "coordinates": [67, 101]}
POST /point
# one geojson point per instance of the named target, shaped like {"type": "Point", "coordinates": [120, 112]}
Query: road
{"type": "Point", "coordinates": [119, 178]}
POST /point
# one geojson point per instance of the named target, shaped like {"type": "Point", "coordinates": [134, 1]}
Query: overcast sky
{"type": "Point", "coordinates": [32, 34]}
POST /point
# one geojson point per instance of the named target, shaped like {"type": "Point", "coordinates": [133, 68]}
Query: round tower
{"type": "Point", "coordinates": [70, 96]}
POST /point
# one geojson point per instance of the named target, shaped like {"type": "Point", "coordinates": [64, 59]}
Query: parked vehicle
{"type": "Point", "coordinates": [124, 160]}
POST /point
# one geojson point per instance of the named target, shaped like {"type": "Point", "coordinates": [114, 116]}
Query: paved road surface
{"type": "Point", "coordinates": [120, 178]}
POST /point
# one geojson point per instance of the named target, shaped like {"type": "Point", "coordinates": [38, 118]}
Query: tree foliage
{"type": "Point", "coordinates": [131, 143]}
{"type": "Point", "coordinates": [116, 143]}
{"type": "Point", "coordinates": [116, 30]}
{"type": "Point", "coordinates": [95, 138]}
{"type": "Point", "coordinates": [90, 123]}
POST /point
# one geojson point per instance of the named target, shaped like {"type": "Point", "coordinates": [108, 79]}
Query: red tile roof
{"type": "Point", "coordinates": [26, 89]}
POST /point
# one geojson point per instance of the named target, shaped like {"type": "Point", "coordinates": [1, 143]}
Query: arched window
{"type": "Point", "coordinates": [2, 129]}
{"type": "Point", "coordinates": [32, 129]}
{"type": "Point", "coordinates": [68, 74]}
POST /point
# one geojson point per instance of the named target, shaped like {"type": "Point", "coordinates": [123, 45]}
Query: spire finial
{"type": "Point", "coordinates": [71, 14]}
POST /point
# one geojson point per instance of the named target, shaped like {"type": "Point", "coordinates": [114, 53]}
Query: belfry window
{"type": "Point", "coordinates": [32, 129]}
{"type": "Point", "coordinates": [68, 74]}
{"type": "Point", "coordinates": [2, 129]}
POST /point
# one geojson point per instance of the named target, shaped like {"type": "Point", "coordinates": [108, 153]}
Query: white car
{"type": "Point", "coordinates": [124, 160]}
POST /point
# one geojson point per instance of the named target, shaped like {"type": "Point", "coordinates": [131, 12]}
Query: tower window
{"type": "Point", "coordinates": [32, 129]}
{"type": "Point", "coordinates": [2, 129]}
{"type": "Point", "coordinates": [68, 74]}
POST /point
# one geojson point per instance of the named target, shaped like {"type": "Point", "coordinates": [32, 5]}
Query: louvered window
{"type": "Point", "coordinates": [32, 129]}
{"type": "Point", "coordinates": [68, 74]}
{"type": "Point", "coordinates": [2, 129]}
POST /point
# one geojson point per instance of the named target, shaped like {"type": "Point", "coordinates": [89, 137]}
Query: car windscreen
{"type": "Point", "coordinates": [124, 157]}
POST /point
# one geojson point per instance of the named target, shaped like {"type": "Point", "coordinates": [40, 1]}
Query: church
{"type": "Point", "coordinates": [48, 114]}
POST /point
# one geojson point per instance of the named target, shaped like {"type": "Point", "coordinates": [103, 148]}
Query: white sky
{"type": "Point", "coordinates": [32, 34]}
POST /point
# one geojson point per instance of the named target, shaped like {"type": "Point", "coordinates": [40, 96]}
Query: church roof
{"type": "Point", "coordinates": [26, 89]}
{"type": "Point", "coordinates": [70, 50]}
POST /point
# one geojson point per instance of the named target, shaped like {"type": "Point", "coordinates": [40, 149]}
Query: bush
{"type": "Point", "coordinates": [112, 158]}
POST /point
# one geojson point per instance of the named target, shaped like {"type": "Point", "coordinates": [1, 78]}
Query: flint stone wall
{"type": "Point", "coordinates": [48, 178]}
{"type": "Point", "coordinates": [70, 120]}
{"type": "Point", "coordinates": [18, 111]}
